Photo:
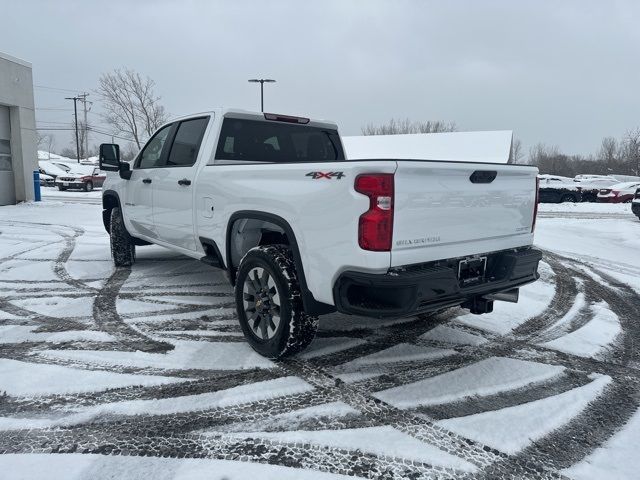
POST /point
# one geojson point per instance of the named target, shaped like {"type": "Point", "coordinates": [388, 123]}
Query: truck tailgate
{"type": "Point", "coordinates": [446, 210]}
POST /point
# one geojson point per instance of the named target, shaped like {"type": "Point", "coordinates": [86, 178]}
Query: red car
{"type": "Point", "coordinates": [85, 180]}
{"type": "Point", "coordinates": [618, 193]}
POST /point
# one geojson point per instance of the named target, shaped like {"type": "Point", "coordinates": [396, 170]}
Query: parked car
{"type": "Point", "coordinates": [51, 169]}
{"type": "Point", "coordinates": [557, 189]}
{"type": "Point", "coordinates": [590, 177]}
{"type": "Point", "coordinates": [635, 204]}
{"type": "Point", "coordinates": [590, 187]}
{"type": "Point", "coordinates": [618, 193]}
{"type": "Point", "coordinates": [46, 180]}
{"type": "Point", "coordinates": [83, 177]}
{"type": "Point", "coordinates": [301, 231]}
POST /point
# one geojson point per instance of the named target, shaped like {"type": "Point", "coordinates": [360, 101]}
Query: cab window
{"type": "Point", "coordinates": [186, 143]}
{"type": "Point", "coordinates": [151, 155]}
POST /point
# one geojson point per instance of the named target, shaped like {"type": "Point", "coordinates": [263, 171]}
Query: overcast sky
{"type": "Point", "coordinates": [562, 73]}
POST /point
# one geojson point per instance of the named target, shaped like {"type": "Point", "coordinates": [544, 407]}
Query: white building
{"type": "Point", "coordinates": [18, 155]}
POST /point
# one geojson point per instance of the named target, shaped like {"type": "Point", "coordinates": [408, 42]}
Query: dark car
{"type": "Point", "coordinates": [635, 204]}
{"type": "Point", "coordinates": [558, 190]}
{"type": "Point", "coordinates": [85, 181]}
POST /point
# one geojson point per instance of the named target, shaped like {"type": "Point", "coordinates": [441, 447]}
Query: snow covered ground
{"type": "Point", "coordinates": [144, 373]}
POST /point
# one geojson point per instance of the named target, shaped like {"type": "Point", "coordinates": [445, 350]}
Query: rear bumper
{"type": "Point", "coordinates": [427, 287]}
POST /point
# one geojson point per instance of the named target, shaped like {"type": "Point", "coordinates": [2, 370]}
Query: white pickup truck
{"type": "Point", "coordinates": [301, 231]}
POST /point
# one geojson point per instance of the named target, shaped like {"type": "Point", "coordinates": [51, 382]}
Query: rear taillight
{"type": "Point", "coordinates": [375, 227]}
{"type": "Point", "coordinates": [535, 207]}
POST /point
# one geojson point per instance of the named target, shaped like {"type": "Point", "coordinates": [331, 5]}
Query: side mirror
{"type": "Point", "coordinates": [109, 157]}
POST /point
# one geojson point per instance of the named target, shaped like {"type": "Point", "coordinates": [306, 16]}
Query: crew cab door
{"type": "Point", "coordinates": [173, 187]}
{"type": "Point", "coordinates": [138, 209]}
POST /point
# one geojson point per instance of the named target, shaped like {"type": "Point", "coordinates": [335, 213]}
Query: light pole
{"type": "Point", "coordinates": [262, 81]}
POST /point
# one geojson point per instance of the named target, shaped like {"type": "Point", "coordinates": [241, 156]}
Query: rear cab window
{"type": "Point", "coordinates": [250, 141]}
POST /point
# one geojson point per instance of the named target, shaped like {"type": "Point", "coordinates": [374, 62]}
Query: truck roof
{"type": "Point", "coordinates": [228, 112]}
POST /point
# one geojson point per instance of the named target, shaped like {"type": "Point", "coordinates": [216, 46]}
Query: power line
{"type": "Point", "coordinates": [91, 129]}
{"type": "Point", "coordinates": [55, 88]}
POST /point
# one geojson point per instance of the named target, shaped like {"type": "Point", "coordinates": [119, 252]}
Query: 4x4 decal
{"type": "Point", "coordinates": [327, 175]}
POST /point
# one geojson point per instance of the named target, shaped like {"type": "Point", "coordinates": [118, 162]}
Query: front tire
{"type": "Point", "coordinates": [123, 248]}
{"type": "Point", "coordinates": [61, 188]}
{"type": "Point", "coordinates": [88, 186]}
{"type": "Point", "coordinates": [568, 198]}
{"type": "Point", "coordinates": [269, 304]}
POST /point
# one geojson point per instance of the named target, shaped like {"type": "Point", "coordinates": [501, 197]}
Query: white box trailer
{"type": "Point", "coordinates": [483, 147]}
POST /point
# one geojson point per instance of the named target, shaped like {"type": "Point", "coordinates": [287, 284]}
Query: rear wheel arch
{"type": "Point", "coordinates": [274, 230]}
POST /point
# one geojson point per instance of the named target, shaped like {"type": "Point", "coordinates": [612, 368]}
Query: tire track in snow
{"type": "Point", "coordinates": [176, 434]}
{"type": "Point", "coordinates": [106, 316]}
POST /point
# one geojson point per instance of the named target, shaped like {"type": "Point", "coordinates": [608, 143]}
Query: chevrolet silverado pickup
{"type": "Point", "coordinates": [301, 231]}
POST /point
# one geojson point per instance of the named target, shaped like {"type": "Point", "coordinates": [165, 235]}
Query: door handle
{"type": "Point", "coordinates": [184, 181]}
{"type": "Point", "coordinates": [146, 180]}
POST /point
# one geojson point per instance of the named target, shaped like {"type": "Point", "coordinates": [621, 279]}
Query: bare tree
{"type": "Point", "coordinates": [608, 150]}
{"type": "Point", "coordinates": [516, 151]}
{"type": "Point", "coordinates": [69, 152]}
{"type": "Point", "coordinates": [129, 152]}
{"type": "Point", "coordinates": [395, 127]}
{"type": "Point", "coordinates": [131, 105]}
{"type": "Point", "coordinates": [45, 141]}
{"type": "Point", "coordinates": [631, 151]}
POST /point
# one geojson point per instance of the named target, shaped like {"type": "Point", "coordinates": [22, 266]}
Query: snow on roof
{"type": "Point", "coordinates": [51, 168]}
{"type": "Point", "coordinates": [491, 146]}
{"type": "Point", "coordinates": [624, 185]}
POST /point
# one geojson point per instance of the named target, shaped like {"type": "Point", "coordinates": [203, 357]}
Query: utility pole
{"type": "Point", "coordinates": [83, 99]}
{"type": "Point", "coordinates": [262, 81]}
{"type": "Point", "coordinates": [75, 115]}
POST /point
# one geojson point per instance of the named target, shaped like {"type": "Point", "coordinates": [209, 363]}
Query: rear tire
{"type": "Point", "coordinates": [61, 188]}
{"type": "Point", "coordinates": [123, 248]}
{"type": "Point", "coordinates": [568, 198]}
{"type": "Point", "coordinates": [269, 304]}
